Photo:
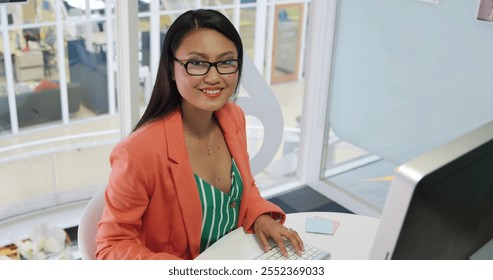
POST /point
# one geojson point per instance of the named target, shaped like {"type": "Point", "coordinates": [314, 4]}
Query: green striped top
{"type": "Point", "coordinates": [219, 209]}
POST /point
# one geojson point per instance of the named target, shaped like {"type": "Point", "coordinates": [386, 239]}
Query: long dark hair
{"type": "Point", "coordinates": [165, 97]}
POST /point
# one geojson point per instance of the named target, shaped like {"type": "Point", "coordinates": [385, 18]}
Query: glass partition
{"type": "Point", "coordinates": [5, 128]}
{"type": "Point", "coordinates": [393, 100]}
{"type": "Point", "coordinates": [64, 129]}
{"type": "Point", "coordinates": [288, 24]}
{"type": "Point", "coordinates": [247, 30]}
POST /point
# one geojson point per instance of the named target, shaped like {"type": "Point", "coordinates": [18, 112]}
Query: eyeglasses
{"type": "Point", "coordinates": [200, 68]}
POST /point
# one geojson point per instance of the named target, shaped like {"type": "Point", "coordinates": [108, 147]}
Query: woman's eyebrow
{"type": "Point", "coordinates": [205, 56]}
{"type": "Point", "coordinates": [194, 53]}
{"type": "Point", "coordinates": [227, 54]}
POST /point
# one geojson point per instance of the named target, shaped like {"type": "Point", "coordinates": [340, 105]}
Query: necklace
{"type": "Point", "coordinates": [209, 148]}
{"type": "Point", "coordinates": [201, 142]}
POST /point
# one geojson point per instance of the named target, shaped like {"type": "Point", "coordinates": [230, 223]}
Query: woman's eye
{"type": "Point", "coordinates": [197, 63]}
{"type": "Point", "coordinates": [229, 62]}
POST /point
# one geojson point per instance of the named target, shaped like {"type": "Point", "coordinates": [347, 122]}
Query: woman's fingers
{"type": "Point", "coordinates": [263, 241]}
{"type": "Point", "coordinates": [296, 241]}
{"type": "Point", "coordinates": [265, 227]}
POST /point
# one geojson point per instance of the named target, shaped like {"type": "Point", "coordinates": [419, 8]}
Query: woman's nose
{"type": "Point", "coordinates": [213, 76]}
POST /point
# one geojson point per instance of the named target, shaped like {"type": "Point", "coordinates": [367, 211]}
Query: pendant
{"type": "Point", "coordinates": [209, 150]}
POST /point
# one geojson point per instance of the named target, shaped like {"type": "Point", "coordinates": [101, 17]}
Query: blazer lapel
{"type": "Point", "coordinates": [184, 182]}
{"type": "Point", "coordinates": [235, 136]}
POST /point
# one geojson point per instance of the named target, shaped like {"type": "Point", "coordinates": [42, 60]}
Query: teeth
{"type": "Point", "coordinates": [211, 91]}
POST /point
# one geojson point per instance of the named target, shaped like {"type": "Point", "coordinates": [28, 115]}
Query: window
{"type": "Point", "coordinates": [393, 100]}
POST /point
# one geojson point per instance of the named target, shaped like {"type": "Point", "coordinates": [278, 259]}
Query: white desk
{"type": "Point", "coordinates": [351, 241]}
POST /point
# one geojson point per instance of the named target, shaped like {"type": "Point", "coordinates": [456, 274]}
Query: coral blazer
{"type": "Point", "coordinates": [153, 209]}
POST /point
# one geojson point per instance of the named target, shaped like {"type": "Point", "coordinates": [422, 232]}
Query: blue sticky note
{"type": "Point", "coordinates": [320, 225]}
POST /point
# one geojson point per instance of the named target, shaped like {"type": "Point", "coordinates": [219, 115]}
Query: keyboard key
{"type": "Point", "coordinates": [310, 253]}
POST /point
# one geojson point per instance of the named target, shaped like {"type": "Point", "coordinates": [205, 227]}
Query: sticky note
{"type": "Point", "coordinates": [321, 225]}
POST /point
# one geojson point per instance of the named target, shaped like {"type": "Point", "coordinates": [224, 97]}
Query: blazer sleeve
{"type": "Point", "coordinates": [126, 197]}
{"type": "Point", "coordinates": [257, 205]}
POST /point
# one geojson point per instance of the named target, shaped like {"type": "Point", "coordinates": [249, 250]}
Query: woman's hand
{"type": "Point", "coordinates": [266, 227]}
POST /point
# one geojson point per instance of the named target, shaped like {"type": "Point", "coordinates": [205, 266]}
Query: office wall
{"type": "Point", "coordinates": [408, 76]}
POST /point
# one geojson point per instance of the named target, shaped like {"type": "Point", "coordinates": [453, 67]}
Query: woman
{"type": "Point", "coordinates": [182, 179]}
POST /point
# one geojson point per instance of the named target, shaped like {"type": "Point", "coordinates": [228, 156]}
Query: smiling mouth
{"type": "Point", "coordinates": [211, 93]}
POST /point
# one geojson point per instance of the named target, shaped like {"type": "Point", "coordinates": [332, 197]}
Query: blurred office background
{"type": "Point", "coordinates": [362, 86]}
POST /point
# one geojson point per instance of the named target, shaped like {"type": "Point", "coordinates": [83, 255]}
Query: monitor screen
{"type": "Point", "coordinates": [13, 1]}
{"type": "Point", "coordinates": [440, 205]}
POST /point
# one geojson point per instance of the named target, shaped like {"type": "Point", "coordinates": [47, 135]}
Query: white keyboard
{"type": "Point", "coordinates": [310, 253]}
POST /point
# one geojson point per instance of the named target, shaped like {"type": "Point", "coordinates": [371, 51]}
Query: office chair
{"type": "Point", "coordinates": [86, 233]}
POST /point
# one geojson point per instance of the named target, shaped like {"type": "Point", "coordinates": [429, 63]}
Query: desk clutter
{"type": "Point", "coordinates": [45, 242]}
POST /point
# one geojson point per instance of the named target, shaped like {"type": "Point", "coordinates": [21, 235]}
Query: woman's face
{"type": "Point", "coordinates": [212, 90]}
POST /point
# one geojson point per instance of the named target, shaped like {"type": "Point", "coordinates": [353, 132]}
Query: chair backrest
{"type": "Point", "coordinates": [88, 226]}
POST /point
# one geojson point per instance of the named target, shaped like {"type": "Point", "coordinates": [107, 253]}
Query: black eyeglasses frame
{"type": "Point", "coordinates": [185, 65]}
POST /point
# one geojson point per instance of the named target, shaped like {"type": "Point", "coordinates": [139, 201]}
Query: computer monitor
{"type": "Point", "coordinates": [13, 2]}
{"type": "Point", "coordinates": [440, 205]}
